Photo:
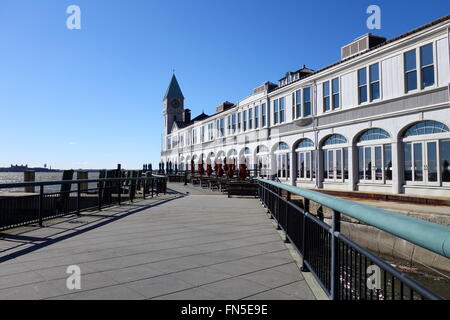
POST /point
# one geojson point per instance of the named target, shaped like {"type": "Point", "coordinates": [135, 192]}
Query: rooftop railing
{"type": "Point", "coordinates": [344, 269]}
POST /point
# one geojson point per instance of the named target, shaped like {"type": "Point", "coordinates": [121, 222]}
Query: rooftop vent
{"type": "Point", "coordinates": [361, 44]}
{"type": "Point", "coordinates": [224, 106]}
{"type": "Point", "coordinates": [265, 87]}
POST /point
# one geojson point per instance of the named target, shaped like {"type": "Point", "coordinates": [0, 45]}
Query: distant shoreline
{"type": "Point", "coordinates": [42, 170]}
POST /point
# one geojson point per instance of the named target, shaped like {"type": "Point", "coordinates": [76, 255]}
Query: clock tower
{"type": "Point", "coordinates": [173, 105]}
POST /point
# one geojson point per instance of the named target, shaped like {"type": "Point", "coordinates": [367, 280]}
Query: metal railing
{"type": "Point", "coordinates": [75, 196]}
{"type": "Point", "coordinates": [344, 269]}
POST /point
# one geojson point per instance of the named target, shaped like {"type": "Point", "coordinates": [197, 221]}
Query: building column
{"type": "Point", "coordinates": [352, 168]}
{"type": "Point", "coordinates": [273, 164]}
{"type": "Point", "coordinates": [397, 168]}
{"type": "Point", "coordinates": [293, 169]}
{"type": "Point", "coordinates": [319, 173]}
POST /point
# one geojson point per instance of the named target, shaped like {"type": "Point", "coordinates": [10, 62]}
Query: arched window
{"type": "Point", "coordinates": [212, 155]}
{"type": "Point", "coordinates": [335, 139]}
{"type": "Point", "coordinates": [374, 157]}
{"type": "Point", "coordinates": [282, 146]}
{"type": "Point", "coordinates": [305, 143]}
{"type": "Point", "coordinates": [220, 154]}
{"type": "Point", "coordinates": [306, 160]}
{"type": "Point", "coordinates": [262, 161]}
{"type": "Point", "coordinates": [283, 160]}
{"type": "Point", "coordinates": [374, 134]}
{"type": "Point", "coordinates": [232, 153]}
{"type": "Point", "coordinates": [426, 153]}
{"type": "Point", "coordinates": [425, 127]}
{"type": "Point", "coordinates": [335, 159]}
{"type": "Point", "coordinates": [262, 149]}
{"type": "Point", "coordinates": [247, 151]}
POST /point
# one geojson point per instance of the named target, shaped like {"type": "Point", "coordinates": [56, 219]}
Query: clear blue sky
{"type": "Point", "coordinates": [92, 98]}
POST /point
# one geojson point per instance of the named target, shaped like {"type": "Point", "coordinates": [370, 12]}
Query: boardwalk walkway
{"type": "Point", "coordinates": [196, 246]}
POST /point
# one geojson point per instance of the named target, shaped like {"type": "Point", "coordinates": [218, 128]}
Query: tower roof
{"type": "Point", "coordinates": [174, 91]}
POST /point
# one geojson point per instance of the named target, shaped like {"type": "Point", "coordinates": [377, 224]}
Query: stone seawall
{"type": "Point", "coordinates": [384, 244]}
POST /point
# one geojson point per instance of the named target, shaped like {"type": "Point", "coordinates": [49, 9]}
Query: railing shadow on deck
{"type": "Point", "coordinates": [89, 226]}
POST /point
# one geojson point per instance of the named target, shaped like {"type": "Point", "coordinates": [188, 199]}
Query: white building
{"type": "Point", "coordinates": [376, 121]}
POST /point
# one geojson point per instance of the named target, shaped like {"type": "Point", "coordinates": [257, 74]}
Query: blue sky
{"type": "Point", "coordinates": [92, 98]}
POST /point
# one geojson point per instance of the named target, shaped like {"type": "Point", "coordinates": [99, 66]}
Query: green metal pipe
{"type": "Point", "coordinates": [425, 234]}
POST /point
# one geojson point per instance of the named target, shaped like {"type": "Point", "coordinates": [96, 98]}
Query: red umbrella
{"type": "Point", "coordinates": [201, 170]}
{"type": "Point", "coordinates": [242, 169]}
{"type": "Point", "coordinates": [208, 167]}
{"type": "Point", "coordinates": [230, 171]}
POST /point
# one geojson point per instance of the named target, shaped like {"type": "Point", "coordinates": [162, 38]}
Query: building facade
{"type": "Point", "coordinates": [376, 121]}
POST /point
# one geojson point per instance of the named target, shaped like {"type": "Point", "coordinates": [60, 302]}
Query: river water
{"type": "Point", "coordinates": [14, 177]}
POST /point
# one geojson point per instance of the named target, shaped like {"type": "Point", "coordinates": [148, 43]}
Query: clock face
{"type": "Point", "coordinates": [175, 103]}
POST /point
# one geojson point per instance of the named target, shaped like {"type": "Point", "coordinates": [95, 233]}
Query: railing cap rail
{"type": "Point", "coordinates": [428, 235]}
{"type": "Point", "coordinates": [59, 182]}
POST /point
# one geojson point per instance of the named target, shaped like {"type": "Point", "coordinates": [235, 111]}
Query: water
{"type": "Point", "coordinates": [14, 177]}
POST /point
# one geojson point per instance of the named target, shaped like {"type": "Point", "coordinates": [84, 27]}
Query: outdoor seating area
{"type": "Point", "coordinates": [231, 184]}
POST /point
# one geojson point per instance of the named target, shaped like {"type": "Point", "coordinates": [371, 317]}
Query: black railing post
{"type": "Point", "coordinates": [278, 209]}
{"type": "Point", "coordinates": [288, 200]}
{"type": "Point", "coordinates": [335, 274]}
{"type": "Point", "coordinates": [304, 253]}
{"type": "Point", "coordinates": [100, 190]}
{"type": "Point", "coordinates": [185, 178]}
{"type": "Point", "coordinates": [41, 199]}
{"type": "Point", "coordinates": [119, 191]}
{"type": "Point", "coordinates": [145, 186]}
{"type": "Point", "coordinates": [153, 185]}
{"type": "Point", "coordinates": [78, 198]}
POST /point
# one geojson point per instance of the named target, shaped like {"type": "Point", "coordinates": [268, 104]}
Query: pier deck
{"type": "Point", "coordinates": [200, 245]}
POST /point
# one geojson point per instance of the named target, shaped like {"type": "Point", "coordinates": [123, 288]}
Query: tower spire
{"type": "Point", "coordinates": [174, 90]}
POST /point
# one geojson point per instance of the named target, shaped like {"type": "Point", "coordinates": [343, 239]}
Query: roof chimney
{"type": "Point", "coordinates": [186, 116]}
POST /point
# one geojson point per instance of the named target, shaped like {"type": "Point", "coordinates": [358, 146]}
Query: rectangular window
{"type": "Point", "coordinates": [362, 85]}
{"type": "Point", "coordinates": [211, 131]}
{"type": "Point", "coordinates": [250, 119]}
{"type": "Point", "coordinates": [281, 110]}
{"type": "Point", "coordinates": [222, 127]}
{"type": "Point", "coordinates": [245, 120]}
{"type": "Point", "coordinates": [427, 65]}
{"type": "Point", "coordinates": [263, 115]}
{"type": "Point", "coordinates": [374, 76]}
{"type": "Point", "coordinates": [336, 93]}
{"type": "Point", "coordinates": [298, 103]}
{"type": "Point", "coordinates": [410, 70]}
{"type": "Point", "coordinates": [293, 106]}
{"type": "Point", "coordinates": [229, 125]}
{"type": "Point", "coordinates": [407, 164]}
{"type": "Point", "coordinates": [326, 96]}
{"type": "Point", "coordinates": [445, 160]}
{"type": "Point", "coordinates": [256, 117]}
{"type": "Point", "coordinates": [306, 102]}
{"type": "Point", "coordinates": [202, 134]}
{"type": "Point", "coordinates": [275, 111]}
{"type": "Point", "coordinates": [233, 124]}
{"type": "Point", "coordinates": [239, 122]}
{"type": "Point", "coordinates": [388, 162]}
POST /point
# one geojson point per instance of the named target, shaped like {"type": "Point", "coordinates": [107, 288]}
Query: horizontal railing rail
{"type": "Point", "coordinates": [344, 269]}
{"type": "Point", "coordinates": [19, 209]}
{"type": "Point", "coordinates": [425, 234]}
